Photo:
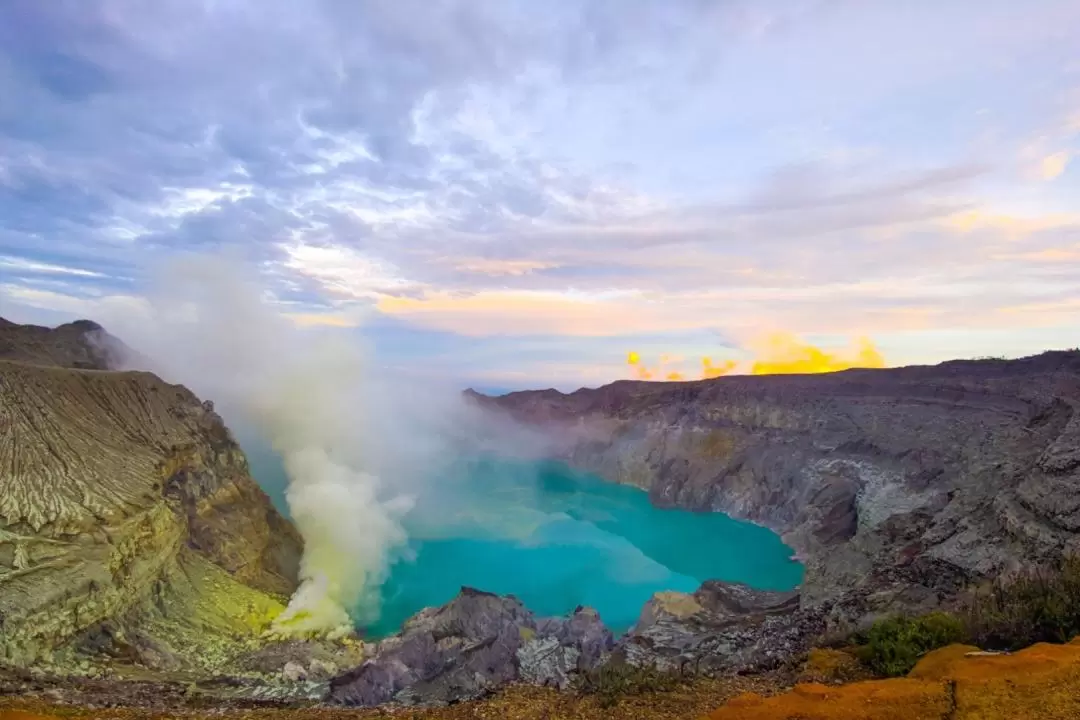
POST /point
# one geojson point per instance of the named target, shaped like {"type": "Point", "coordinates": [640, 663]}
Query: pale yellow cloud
{"type": "Point", "coordinates": [856, 307]}
{"type": "Point", "coordinates": [1047, 255]}
{"type": "Point", "coordinates": [1010, 224]}
{"type": "Point", "coordinates": [816, 308]}
{"type": "Point", "coordinates": [519, 312]}
{"type": "Point", "coordinates": [340, 320]}
{"type": "Point", "coordinates": [1053, 166]}
{"type": "Point", "coordinates": [490, 266]}
{"type": "Point", "coordinates": [1044, 314]}
{"type": "Point", "coordinates": [1067, 304]}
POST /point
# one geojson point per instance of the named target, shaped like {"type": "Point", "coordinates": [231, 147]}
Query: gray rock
{"type": "Point", "coordinates": [583, 630]}
{"type": "Point", "coordinates": [720, 628]}
{"type": "Point", "coordinates": [293, 672]}
{"type": "Point", "coordinates": [544, 661]}
{"type": "Point", "coordinates": [471, 646]}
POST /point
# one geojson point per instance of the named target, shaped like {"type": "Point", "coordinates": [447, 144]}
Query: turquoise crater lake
{"type": "Point", "coordinates": [557, 539]}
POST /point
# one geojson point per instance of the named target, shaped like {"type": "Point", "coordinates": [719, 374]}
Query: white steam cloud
{"type": "Point", "coordinates": [310, 395]}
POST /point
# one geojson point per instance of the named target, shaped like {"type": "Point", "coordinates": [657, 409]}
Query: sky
{"type": "Point", "coordinates": [520, 193]}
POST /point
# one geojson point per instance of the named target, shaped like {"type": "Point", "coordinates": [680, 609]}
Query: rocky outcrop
{"type": "Point", "coordinates": [721, 627]}
{"type": "Point", "coordinates": [896, 487]}
{"type": "Point", "coordinates": [471, 646]}
{"type": "Point", "coordinates": [129, 526]}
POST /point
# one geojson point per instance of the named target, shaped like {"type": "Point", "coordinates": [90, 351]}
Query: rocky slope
{"type": "Point", "coordinates": [130, 529]}
{"type": "Point", "coordinates": [954, 683]}
{"type": "Point", "coordinates": [134, 544]}
{"type": "Point", "coordinates": [896, 487]}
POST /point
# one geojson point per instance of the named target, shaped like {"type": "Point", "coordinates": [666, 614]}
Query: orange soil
{"type": "Point", "coordinates": [1041, 682]}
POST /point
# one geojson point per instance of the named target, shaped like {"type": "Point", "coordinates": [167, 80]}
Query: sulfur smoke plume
{"type": "Point", "coordinates": [305, 392]}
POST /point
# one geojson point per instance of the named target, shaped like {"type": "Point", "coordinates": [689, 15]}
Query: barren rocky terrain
{"type": "Point", "coordinates": [141, 565]}
{"type": "Point", "coordinates": [896, 487]}
{"type": "Point", "coordinates": [132, 537]}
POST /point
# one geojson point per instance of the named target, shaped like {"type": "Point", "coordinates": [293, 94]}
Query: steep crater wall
{"type": "Point", "coordinates": [896, 487]}
{"type": "Point", "coordinates": [119, 495]}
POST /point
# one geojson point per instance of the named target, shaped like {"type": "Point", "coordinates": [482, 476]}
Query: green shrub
{"type": "Point", "coordinates": [892, 646]}
{"type": "Point", "coordinates": [1038, 605]}
{"type": "Point", "coordinates": [616, 679]}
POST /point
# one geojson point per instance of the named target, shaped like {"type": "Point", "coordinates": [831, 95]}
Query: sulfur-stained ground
{"type": "Point", "coordinates": [518, 703]}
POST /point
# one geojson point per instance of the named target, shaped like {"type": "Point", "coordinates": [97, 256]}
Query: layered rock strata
{"type": "Point", "coordinates": [896, 487]}
{"type": "Point", "coordinates": [129, 523]}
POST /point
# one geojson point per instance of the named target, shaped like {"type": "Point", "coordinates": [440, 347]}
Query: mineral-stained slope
{"type": "Point", "coordinates": [128, 521]}
{"type": "Point", "coordinates": [896, 487]}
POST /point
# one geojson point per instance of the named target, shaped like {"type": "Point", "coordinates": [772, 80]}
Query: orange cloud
{"type": "Point", "coordinates": [777, 353]}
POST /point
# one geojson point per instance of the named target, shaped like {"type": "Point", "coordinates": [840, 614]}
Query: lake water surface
{"type": "Point", "coordinates": [557, 539]}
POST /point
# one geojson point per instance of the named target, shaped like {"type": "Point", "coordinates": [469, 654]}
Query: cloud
{"type": "Point", "coordinates": [24, 265]}
{"type": "Point", "coordinates": [104, 307]}
{"type": "Point", "coordinates": [492, 266]}
{"type": "Point", "coordinates": [344, 271]}
{"type": "Point", "coordinates": [532, 312]}
{"type": "Point", "coordinates": [1053, 166]}
{"type": "Point", "coordinates": [588, 169]}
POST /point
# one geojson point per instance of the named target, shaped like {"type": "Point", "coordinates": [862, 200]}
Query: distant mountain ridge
{"type": "Point", "coordinates": [80, 344]}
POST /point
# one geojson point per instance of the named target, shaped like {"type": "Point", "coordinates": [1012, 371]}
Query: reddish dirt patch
{"type": "Point", "coordinates": [956, 682]}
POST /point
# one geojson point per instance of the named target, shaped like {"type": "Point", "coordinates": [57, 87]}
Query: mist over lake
{"type": "Point", "coordinates": [556, 539]}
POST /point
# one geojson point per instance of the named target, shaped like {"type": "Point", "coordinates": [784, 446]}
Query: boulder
{"type": "Point", "coordinates": [474, 644]}
{"type": "Point", "coordinates": [719, 628]}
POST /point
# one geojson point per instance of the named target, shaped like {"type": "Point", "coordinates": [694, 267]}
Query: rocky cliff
{"type": "Point", "coordinates": [130, 529]}
{"type": "Point", "coordinates": [133, 538]}
{"type": "Point", "coordinates": [896, 487]}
